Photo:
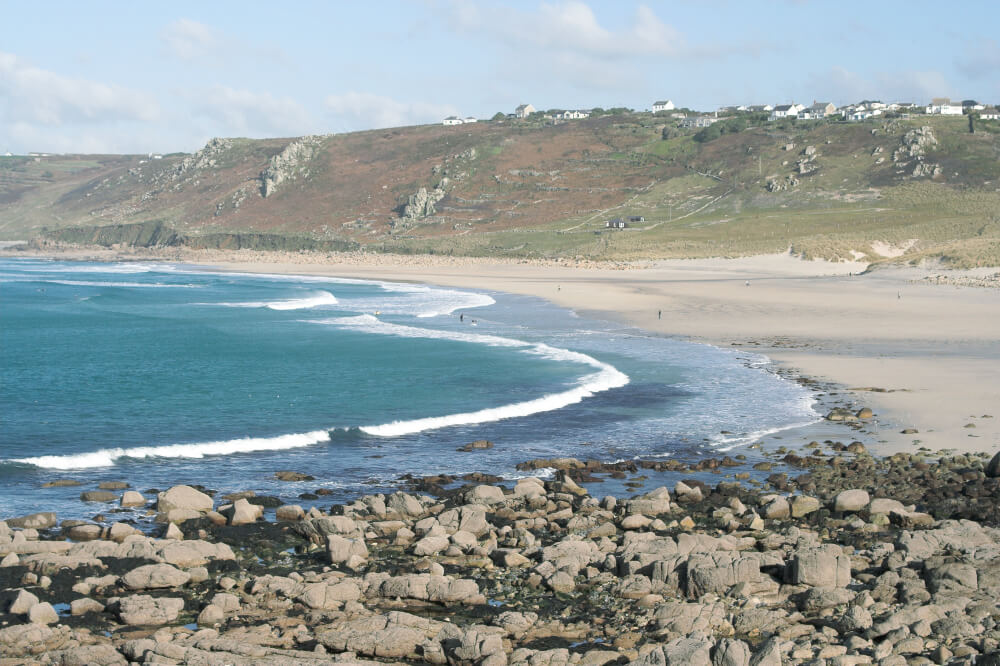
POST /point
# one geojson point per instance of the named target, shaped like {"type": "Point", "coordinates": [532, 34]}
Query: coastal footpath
{"type": "Point", "coordinates": [853, 560]}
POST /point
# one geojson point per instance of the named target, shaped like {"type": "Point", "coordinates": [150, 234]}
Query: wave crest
{"type": "Point", "coordinates": [108, 457]}
{"type": "Point", "coordinates": [607, 377]}
{"type": "Point", "coordinates": [315, 300]}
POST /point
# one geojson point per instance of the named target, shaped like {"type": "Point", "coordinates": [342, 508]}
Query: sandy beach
{"type": "Point", "coordinates": [932, 350]}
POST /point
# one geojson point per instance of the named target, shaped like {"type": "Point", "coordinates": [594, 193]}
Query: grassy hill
{"type": "Point", "coordinates": [533, 189]}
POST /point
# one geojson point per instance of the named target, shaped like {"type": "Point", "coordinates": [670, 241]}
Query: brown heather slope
{"type": "Point", "coordinates": [532, 188]}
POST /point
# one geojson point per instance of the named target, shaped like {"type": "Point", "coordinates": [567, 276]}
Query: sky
{"type": "Point", "coordinates": [140, 77]}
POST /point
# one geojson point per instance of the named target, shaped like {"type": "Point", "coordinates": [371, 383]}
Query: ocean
{"type": "Point", "coordinates": [158, 374]}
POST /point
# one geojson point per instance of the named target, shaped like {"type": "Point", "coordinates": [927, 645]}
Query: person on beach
{"type": "Point", "coordinates": [461, 317]}
{"type": "Point", "coordinates": [748, 283]}
{"type": "Point", "coordinates": [659, 314]}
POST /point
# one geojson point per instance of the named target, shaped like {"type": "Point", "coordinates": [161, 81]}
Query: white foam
{"type": "Point", "coordinates": [92, 283]}
{"type": "Point", "coordinates": [804, 406]}
{"type": "Point", "coordinates": [420, 300]}
{"type": "Point", "coordinates": [128, 267]}
{"type": "Point", "coordinates": [607, 377]}
{"type": "Point", "coordinates": [433, 301]}
{"type": "Point", "coordinates": [317, 299]}
{"type": "Point", "coordinates": [108, 457]}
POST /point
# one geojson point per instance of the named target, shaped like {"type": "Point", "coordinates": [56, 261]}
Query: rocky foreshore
{"type": "Point", "coordinates": [856, 561]}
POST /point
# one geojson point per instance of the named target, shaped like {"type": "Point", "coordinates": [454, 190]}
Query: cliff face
{"type": "Point", "coordinates": [527, 188]}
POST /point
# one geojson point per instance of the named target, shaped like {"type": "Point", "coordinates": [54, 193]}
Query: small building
{"type": "Point", "coordinates": [860, 113]}
{"type": "Point", "coordinates": [760, 108]}
{"type": "Point", "coordinates": [523, 111]}
{"type": "Point", "coordinates": [572, 115]}
{"type": "Point", "coordinates": [668, 105]}
{"type": "Point", "coordinates": [786, 111]}
{"type": "Point", "coordinates": [699, 121]}
{"type": "Point", "coordinates": [945, 109]}
{"type": "Point", "coordinates": [818, 111]}
{"type": "Point", "coordinates": [988, 113]}
{"type": "Point", "coordinates": [616, 223]}
{"type": "Point", "coordinates": [636, 218]}
{"type": "Point", "coordinates": [470, 119]}
{"type": "Point", "coordinates": [452, 120]}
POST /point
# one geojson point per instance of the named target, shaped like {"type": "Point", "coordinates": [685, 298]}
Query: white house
{"type": "Point", "coordinates": [455, 120]}
{"type": "Point", "coordinates": [786, 111]}
{"type": "Point", "coordinates": [572, 115]}
{"type": "Point", "coordinates": [663, 106]}
{"type": "Point", "coordinates": [944, 109]}
{"type": "Point", "coordinates": [988, 113]}
{"type": "Point", "coordinates": [761, 108]}
{"type": "Point", "coordinates": [523, 111]}
{"type": "Point", "coordinates": [699, 121]}
{"type": "Point", "coordinates": [861, 113]}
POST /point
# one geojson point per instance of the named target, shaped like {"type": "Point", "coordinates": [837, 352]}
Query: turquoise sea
{"type": "Point", "coordinates": [158, 374]}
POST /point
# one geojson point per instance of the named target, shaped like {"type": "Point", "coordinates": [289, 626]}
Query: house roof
{"type": "Point", "coordinates": [522, 107]}
{"type": "Point", "coordinates": [783, 107]}
{"type": "Point", "coordinates": [820, 105]}
{"type": "Point", "coordinates": [662, 103]}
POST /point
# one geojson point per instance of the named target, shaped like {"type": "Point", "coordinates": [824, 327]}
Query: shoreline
{"type": "Point", "coordinates": [924, 355]}
{"type": "Point", "coordinates": [836, 557]}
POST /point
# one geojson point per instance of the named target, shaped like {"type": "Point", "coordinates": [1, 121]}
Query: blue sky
{"type": "Point", "coordinates": [104, 76]}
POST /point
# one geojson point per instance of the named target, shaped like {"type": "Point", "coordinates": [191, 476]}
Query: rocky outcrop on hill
{"type": "Point", "coordinates": [914, 146]}
{"type": "Point", "coordinates": [421, 204]}
{"type": "Point", "coordinates": [207, 157]}
{"type": "Point", "coordinates": [925, 169]}
{"type": "Point", "coordinates": [540, 574]}
{"type": "Point", "coordinates": [917, 141]}
{"type": "Point", "coordinates": [289, 164]}
{"type": "Point", "coordinates": [778, 184]}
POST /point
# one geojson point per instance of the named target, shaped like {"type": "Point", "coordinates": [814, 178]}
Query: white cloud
{"type": "Point", "coordinates": [570, 26]}
{"type": "Point", "coordinates": [253, 114]}
{"type": "Point", "coordinates": [189, 39]}
{"type": "Point", "coordinates": [37, 96]}
{"type": "Point", "coordinates": [361, 110]}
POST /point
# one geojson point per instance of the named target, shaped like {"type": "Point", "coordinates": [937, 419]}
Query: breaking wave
{"type": "Point", "coordinates": [318, 298]}
{"type": "Point", "coordinates": [607, 377]}
{"type": "Point", "coordinates": [108, 457]}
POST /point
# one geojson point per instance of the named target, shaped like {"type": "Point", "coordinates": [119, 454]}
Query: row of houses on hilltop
{"type": "Point", "coordinates": [872, 109]}
{"type": "Point", "coordinates": [816, 111]}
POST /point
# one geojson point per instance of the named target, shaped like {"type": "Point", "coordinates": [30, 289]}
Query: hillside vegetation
{"type": "Point", "coordinates": [900, 189]}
